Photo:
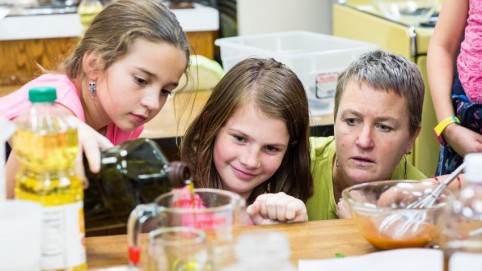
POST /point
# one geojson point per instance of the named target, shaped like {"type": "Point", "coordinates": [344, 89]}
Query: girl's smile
{"type": "Point", "coordinates": [249, 149]}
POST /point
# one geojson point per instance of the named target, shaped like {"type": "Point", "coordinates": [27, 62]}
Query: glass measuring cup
{"type": "Point", "coordinates": [177, 249]}
{"type": "Point", "coordinates": [214, 211]}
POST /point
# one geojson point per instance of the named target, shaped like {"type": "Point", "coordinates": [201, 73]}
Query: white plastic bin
{"type": "Point", "coordinates": [316, 58]}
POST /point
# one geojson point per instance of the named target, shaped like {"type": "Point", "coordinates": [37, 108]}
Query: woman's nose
{"type": "Point", "coordinates": [364, 139]}
{"type": "Point", "coordinates": [250, 158]}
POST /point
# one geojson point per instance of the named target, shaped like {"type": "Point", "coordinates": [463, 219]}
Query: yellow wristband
{"type": "Point", "coordinates": [442, 125]}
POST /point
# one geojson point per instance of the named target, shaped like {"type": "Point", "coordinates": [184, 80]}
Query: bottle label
{"type": "Point", "coordinates": [463, 261]}
{"type": "Point", "coordinates": [63, 243]}
{"type": "Point", "coordinates": [326, 85]}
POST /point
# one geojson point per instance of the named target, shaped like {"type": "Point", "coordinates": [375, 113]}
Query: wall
{"type": "Point", "coordinates": [264, 16]}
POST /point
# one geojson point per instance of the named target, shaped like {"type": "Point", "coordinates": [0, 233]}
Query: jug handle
{"type": "Point", "coordinates": [134, 228]}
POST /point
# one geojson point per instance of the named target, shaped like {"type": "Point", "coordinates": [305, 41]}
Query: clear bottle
{"type": "Point", "coordinates": [46, 143]}
{"type": "Point", "coordinates": [262, 250]}
{"type": "Point", "coordinates": [87, 10]}
{"type": "Point", "coordinates": [132, 173]}
{"type": "Point", "coordinates": [463, 247]}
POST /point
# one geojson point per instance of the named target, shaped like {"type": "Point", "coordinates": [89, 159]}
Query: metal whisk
{"type": "Point", "coordinates": [412, 220]}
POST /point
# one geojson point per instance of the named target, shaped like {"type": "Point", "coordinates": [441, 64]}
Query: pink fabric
{"type": "Point", "coordinates": [17, 102]}
{"type": "Point", "coordinates": [469, 60]}
{"type": "Point", "coordinates": [200, 220]}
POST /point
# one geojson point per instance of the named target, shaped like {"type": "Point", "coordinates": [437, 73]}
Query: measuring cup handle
{"type": "Point", "coordinates": [134, 228]}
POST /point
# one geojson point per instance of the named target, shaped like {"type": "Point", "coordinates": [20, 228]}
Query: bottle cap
{"type": "Point", "coordinates": [473, 167]}
{"type": "Point", "coordinates": [42, 94]}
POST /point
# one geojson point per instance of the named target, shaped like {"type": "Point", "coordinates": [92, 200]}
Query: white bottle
{"type": "Point", "coordinates": [463, 247]}
{"type": "Point", "coordinates": [262, 250]}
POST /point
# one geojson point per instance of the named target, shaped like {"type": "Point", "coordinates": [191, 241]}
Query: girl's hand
{"type": "Point", "coordinates": [463, 140]}
{"type": "Point", "coordinates": [91, 143]}
{"type": "Point", "coordinates": [276, 208]}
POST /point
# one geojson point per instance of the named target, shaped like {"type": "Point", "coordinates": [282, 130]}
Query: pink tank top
{"type": "Point", "coordinates": [470, 58]}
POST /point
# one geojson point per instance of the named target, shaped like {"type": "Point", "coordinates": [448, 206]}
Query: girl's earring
{"type": "Point", "coordinates": [92, 89]}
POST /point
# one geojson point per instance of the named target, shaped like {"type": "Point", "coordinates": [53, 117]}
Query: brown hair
{"type": "Point", "coordinates": [115, 29]}
{"type": "Point", "coordinates": [387, 71]}
{"type": "Point", "coordinates": [277, 92]}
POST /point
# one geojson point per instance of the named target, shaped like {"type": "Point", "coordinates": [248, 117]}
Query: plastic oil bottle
{"type": "Point", "coordinates": [463, 247]}
{"type": "Point", "coordinates": [46, 144]}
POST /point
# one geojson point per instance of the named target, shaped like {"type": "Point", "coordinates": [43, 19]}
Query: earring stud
{"type": "Point", "coordinates": [92, 88]}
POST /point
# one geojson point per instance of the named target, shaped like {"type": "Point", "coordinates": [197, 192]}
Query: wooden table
{"type": "Point", "coordinates": [310, 240]}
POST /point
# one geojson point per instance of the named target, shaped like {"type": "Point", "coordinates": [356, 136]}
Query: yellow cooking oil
{"type": "Point", "coordinates": [46, 172]}
{"type": "Point", "coordinates": [46, 144]}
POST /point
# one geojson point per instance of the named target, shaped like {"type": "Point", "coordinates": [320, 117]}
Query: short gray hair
{"type": "Point", "coordinates": [387, 71]}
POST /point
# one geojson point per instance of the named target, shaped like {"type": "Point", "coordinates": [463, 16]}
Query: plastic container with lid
{"type": "Point", "coordinates": [317, 59]}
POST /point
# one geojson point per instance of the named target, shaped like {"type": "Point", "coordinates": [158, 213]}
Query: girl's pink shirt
{"type": "Point", "coordinates": [17, 102]}
{"type": "Point", "coordinates": [469, 60]}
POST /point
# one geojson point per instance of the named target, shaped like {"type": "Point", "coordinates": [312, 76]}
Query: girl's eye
{"type": "Point", "coordinates": [140, 81]}
{"type": "Point", "coordinates": [165, 92]}
{"type": "Point", "coordinates": [239, 139]}
{"type": "Point", "coordinates": [271, 149]}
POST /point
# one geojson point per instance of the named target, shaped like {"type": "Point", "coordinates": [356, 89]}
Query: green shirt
{"type": "Point", "coordinates": [322, 205]}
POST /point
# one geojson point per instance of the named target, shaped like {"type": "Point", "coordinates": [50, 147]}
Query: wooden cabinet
{"type": "Point", "coordinates": [20, 59]}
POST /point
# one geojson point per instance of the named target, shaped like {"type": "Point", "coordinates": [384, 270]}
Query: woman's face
{"type": "Point", "coordinates": [135, 88]}
{"type": "Point", "coordinates": [372, 134]}
{"type": "Point", "coordinates": [249, 149]}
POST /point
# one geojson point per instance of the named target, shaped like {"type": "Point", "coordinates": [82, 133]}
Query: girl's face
{"type": "Point", "coordinates": [249, 149]}
{"type": "Point", "coordinates": [372, 134]}
{"type": "Point", "coordinates": [135, 88]}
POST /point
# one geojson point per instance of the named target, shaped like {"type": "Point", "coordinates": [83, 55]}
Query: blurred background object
{"type": "Point", "coordinates": [87, 10]}
{"type": "Point", "coordinates": [204, 74]}
{"type": "Point", "coordinates": [257, 17]}
{"type": "Point", "coordinates": [411, 12]}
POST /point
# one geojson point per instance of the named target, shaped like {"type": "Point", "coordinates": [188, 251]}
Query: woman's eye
{"type": "Point", "coordinates": [140, 81]}
{"type": "Point", "coordinates": [350, 121]}
{"type": "Point", "coordinates": [165, 92]}
{"type": "Point", "coordinates": [384, 128]}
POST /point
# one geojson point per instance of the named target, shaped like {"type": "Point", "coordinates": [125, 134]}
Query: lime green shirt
{"type": "Point", "coordinates": [322, 205]}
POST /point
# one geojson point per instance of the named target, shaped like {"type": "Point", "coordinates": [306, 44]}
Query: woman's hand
{"type": "Point", "coordinates": [276, 208]}
{"type": "Point", "coordinates": [91, 143]}
{"type": "Point", "coordinates": [343, 210]}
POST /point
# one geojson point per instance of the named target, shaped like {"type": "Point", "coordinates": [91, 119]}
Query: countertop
{"type": "Point", "coordinates": [200, 18]}
{"type": "Point", "coordinates": [310, 240]}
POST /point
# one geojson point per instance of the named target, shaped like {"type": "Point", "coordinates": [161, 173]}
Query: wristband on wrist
{"type": "Point", "coordinates": [442, 125]}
